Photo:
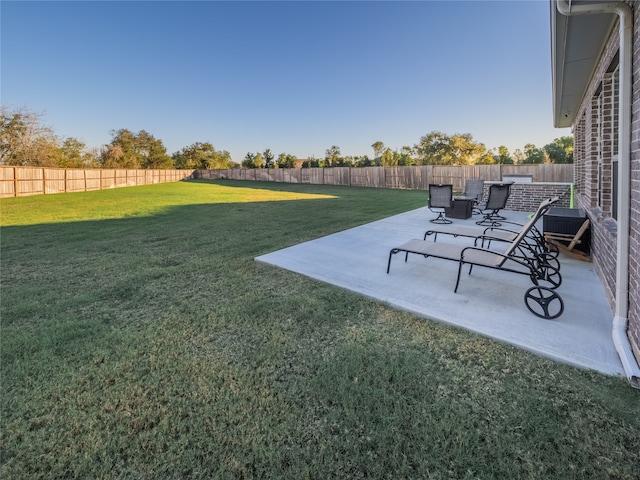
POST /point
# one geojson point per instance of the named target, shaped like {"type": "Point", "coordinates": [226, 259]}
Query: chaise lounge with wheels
{"type": "Point", "coordinates": [538, 243]}
{"type": "Point", "coordinates": [542, 300]}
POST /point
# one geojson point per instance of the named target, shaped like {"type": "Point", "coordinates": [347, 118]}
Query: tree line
{"type": "Point", "coordinates": [434, 148]}
{"type": "Point", "coordinates": [26, 141]}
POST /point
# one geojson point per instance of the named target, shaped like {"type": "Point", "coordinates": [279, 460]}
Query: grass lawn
{"type": "Point", "coordinates": [139, 339]}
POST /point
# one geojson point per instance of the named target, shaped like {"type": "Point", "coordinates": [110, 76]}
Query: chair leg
{"type": "Point", "coordinates": [455, 290]}
{"type": "Point", "coordinates": [441, 219]}
{"type": "Point", "coordinates": [391, 253]}
{"type": "Point", "coordinates": [489, 221]}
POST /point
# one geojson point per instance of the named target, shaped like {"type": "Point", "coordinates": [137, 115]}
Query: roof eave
{"type": "Point", "coordinates": [577, 43]}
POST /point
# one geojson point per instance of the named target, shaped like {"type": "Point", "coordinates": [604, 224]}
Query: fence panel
{"type": "Point", "coordinates": [22, 181]}
{"type": "Point", "coordinates": [312, 175]}
{"type": "Point", "coordinates": [337, 176]}
{"type": "Point", "coordinates": [8, 182]}
{"type": "Point", "coordinates": [93, 179]}
{"type": "Point", "coordinates": [75, 180]}
{"type": "Point", "coordinates": [368, 177]}
{"type": "Point", "coordinates": [292, 175]}
{"type": "Point", "coordinates": [30, 181]}
{"type": "Point", "coordinates": [54, 180]}
{"type": "Point", "coordinates": [262, 175]}
{"type": "Point", "coordinates": [412, 177]}
{"type": "Point", "coordinates": [448, 176]}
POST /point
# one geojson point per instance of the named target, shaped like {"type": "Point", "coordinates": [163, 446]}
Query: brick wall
{"type": "Point", "coordinates": [526, 197]}
{"type": "Point", "coordinates": [593, 138]}
{"type": "Point", "coordinates": [634, 234]}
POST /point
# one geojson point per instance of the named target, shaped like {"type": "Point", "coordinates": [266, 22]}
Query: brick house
{"type": "Point", "coordinates": [595, 50]}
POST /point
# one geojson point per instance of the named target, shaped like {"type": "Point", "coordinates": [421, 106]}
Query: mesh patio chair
{"type": "Point", "coordinates": [440, 197]}
{"type": "Point", "coordinates": [498, 196]}
{"type": "Point", "coordinates": [474, 188]}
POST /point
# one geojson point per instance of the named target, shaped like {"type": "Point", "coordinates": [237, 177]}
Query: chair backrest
{"type": "Point", "coordinates": [440, 196]}
{"type": "Point", "coordinates": [543, 208]}
{"type": "Point", "coordinates": [474, 188]}
{"type": "Point", "coordinates": [521, 234]}
{"type": "Point", "coordinates": [498, 196]}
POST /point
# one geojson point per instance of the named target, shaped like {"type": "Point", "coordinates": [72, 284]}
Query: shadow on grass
{"type": "Point", "coordinates": [156, 347]}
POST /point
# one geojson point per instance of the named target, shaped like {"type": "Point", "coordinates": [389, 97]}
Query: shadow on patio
{"type": "Point", "coordinates": [488, 302]}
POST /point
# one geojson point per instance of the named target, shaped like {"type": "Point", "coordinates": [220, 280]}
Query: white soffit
{"type": "Point", "coordinates": [576, 45]}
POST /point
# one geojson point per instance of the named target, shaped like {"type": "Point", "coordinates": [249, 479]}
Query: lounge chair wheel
{"type": "Point", "coordinates": [548, 274]}
{"type": "Point", "coordinates": [544, 302]}
{"type": "Point", "coordinates": [550, 260]}
{"type": "Point", "coordinates": [552, 250]}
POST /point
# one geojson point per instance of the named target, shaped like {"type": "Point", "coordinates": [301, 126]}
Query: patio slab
{"type": "Point", "coordinates": [488, 302]}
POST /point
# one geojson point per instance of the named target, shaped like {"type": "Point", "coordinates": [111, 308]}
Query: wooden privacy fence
{"type": "Point", "coordinates": [410, 177]}
{"type": "Point", "coordinates": [23, 181]}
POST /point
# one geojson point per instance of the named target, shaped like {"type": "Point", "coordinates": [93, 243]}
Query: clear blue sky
{"type": "Point", "coordinates": [295, 77]}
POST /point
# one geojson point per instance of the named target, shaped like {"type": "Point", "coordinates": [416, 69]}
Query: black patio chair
{"type": "Point", "coordinates": [497, 200]}
{"type": "Point", "coordinates": [474, 189]}
{"type": "Point", "coordinates": [440, 197]}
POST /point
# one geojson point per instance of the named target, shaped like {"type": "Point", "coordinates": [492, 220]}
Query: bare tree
{"type": "Point", "coordinates": [24, 140]}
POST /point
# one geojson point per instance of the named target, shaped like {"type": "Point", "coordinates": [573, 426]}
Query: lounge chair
{"type": "Point", "coordinates": [440, 197]}
{"type": "Point", "coordinates": [544, 249]}
{"type": "Point", "coordinates": [541, 300]}
{"type": "Point", "coordinates": [497, 200]}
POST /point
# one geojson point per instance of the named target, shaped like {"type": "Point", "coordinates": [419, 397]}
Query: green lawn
{"type": "Point", "coordinates": [139, 339]}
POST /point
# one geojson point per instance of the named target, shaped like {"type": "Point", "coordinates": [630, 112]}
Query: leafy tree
{"type": "Point", "coordinates": [533, 154]}
{"type": "Point", "coordinates": [388, 158]}
{"type": "Point", "coordinates": [258, 161]}
{"type": "Point", "coordinates": [121, 152]}
{"type": "Point", "coordinates": [560, 150]}
{"type": "Point", "coordinates": [286, 160]}
{"type": "Point", "coordinates": [268, 158]}
{"type": "Point", "coordinates": [485, 159]}
{"type": "Point", "coordinates": [201, 156]}
{"type": "Point", "coordinates": [72, 153]}
{"type": "Point", "coordinates": [247, 162]}
{"type": "Point", "coordinates": [135, 150]}
{"type": "Point", "coordinates": [437, 148]}
{"type": "Point", "coordinates": [503, 157]}
{"type": "Point", "coordinates": [332, 156]}
{"type": "Point", "coordinates": [406, 156]}
{"type": "Point", "coordinates": [311, 162]}
{"type": "Point", "coordinates": [152, 152]}
{"type": "Point", "coordinates": [24, 140]}
{"type": "Point", "coordinates": [378, 149]}
{"type": "Point", "coordinates": [518, 156]}
{"type": "Point", "coordinates": [363, 161]}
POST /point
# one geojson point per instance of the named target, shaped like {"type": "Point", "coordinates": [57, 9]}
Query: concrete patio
{"type": "Point", "coordinates": [488, 302]}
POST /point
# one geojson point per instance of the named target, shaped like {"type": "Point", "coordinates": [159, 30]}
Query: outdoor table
{"type": "Point", "coordinates": [462, 208]}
